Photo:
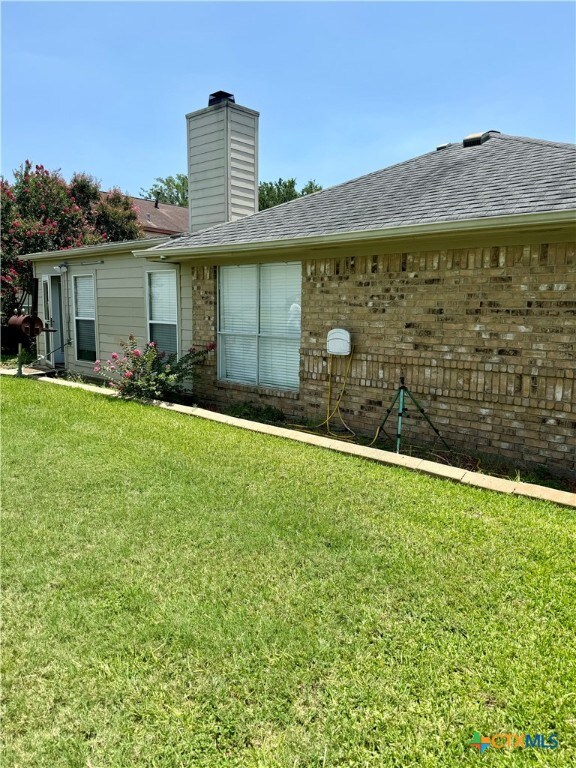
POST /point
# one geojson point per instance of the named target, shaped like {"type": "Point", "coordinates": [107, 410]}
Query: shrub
{"type": "Point", "coordinates": [150, 373]}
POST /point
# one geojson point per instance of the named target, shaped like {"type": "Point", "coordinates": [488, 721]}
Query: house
{"type": "Point", "coordinates": [455, 270]}
{"type": "Point", "coordinates": [157, 219]}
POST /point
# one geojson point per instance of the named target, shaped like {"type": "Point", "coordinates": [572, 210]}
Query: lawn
{"type": "Point", "coordinates": [178, 592]}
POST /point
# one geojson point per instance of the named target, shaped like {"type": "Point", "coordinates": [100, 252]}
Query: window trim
{"type": "Point", "coordinates": [257, 335]}
{"type": "Point", "coordinates": [94, 319]}
{"type": "Point", "coordinates": [46, 304]}
{"type": "Point", "coordinates": [149, 321]}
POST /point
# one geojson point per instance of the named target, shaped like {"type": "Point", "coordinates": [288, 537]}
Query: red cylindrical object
{"type": "Point", "coordinates": [29, 325]}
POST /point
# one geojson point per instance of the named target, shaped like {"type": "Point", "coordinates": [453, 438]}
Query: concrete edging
{"type": "Point", "coordinates": [435, 469]}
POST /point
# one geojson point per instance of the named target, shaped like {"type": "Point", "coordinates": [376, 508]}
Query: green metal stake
{"type": "Point", "coordinates": [400, 395]}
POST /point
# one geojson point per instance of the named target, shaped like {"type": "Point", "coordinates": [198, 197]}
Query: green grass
{"type": "Point", "coordinates": [182, 593]}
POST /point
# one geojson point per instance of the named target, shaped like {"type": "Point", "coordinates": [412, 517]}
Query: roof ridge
{"type": "Point", "coordinates": [530, 140]}
{"type": "Point", "coordinates": [372, 173]}
{"type": "Point", "coordinates": [160, 202]}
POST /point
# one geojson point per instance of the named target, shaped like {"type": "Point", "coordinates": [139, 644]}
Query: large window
{"type": "Point", "coordinates": [259, 324]}
{"type": "Point", "coordinates": [85, 317]}
{"type": "Point", "coordinates": [162, 310]}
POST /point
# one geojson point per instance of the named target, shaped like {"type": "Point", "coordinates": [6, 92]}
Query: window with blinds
{"type": "Point", "coordinates": [162, 311]}
{"type": "Point", "coordinates": [259, 324]}
{"type": "Point", "coordinates": [85, 317]}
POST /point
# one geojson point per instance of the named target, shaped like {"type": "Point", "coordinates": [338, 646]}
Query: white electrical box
{"type": "Point", "coordinates": [338, 342]}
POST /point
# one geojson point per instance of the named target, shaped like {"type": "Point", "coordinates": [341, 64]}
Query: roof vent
{"type": "Point", "coordinates": [219, 97]}
{"type": "Point", "coordinates": [474, 139]}
{"type": "Point", "coordinates": [441, 146]}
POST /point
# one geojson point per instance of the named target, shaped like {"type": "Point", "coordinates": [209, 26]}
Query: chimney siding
{"type": "Point", "coordinates": [222, 164]}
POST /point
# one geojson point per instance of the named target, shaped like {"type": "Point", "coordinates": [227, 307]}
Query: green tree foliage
{"type": "Point", "coordinates": [172, 190]}
{"type": "Point", "coordinates": [115, 218]}
{"type": "Point", "coordinates": [42, 212]}
{"type": "Point", "coordinates": [310, 187]}
{"type": "Point", "coordinates": [271, 193]}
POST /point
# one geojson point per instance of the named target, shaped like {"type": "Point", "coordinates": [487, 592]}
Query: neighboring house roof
{"type": "Point", "coordinates": [504, 176]}
{"type": "Point", "coordinates": [162, 220]}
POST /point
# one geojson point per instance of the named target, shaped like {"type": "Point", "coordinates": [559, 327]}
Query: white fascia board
{"type": "Point", "coordinates": [515, 222]}
{"type": "Point", "coordinates": [104, 249]}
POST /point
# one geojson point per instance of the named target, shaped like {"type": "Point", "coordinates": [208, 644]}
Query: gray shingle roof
{"type": "Point", "coordinates": [506, 175]}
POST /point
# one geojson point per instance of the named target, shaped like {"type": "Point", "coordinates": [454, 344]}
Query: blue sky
{"type": "Point", "coordinates": [342, 88]}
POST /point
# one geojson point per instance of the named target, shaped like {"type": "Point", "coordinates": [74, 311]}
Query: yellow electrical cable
{"type": "Point", "coordinates": [337, 406]}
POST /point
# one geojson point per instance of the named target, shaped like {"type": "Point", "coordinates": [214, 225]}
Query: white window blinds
{"type": "Point", "coordinates": [239, 323]}
{"type": "Point", "coordinates": [259, 331]}
{"type": "Point", "coordinates": [85, 317]}
{"type": "Point", "coordinates": [163, 310]}
{"type": "Point", "coordinates": [85, 297]}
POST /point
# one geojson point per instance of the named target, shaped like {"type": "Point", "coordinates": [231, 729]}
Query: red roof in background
{"type": "Point", "coordinates": [163, 220]}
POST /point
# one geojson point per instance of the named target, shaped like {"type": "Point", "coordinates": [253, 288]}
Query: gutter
{"type": "Point", "coordinates": [514, 222]}
{"type": "Point", "coordinates": [122, 246]}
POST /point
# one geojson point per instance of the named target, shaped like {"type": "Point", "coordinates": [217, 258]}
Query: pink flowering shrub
{"type": "Point", "coordinates": [149, 373]}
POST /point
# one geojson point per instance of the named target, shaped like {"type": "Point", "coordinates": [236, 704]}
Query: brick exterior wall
{"type": "Point", "coordinates": [485, 338]}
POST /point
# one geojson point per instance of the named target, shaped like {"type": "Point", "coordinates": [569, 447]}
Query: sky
{"type": "Point", "coordinates": [343, 88]}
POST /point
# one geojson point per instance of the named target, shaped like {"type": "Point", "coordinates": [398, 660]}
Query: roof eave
{"type": "Point", "coordinates": [514, 222]}
{"type": "Point", "coordinates": [108, 249]}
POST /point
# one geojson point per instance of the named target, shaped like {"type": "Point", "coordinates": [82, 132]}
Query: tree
{"type": "Point", "coordinates": [271, 193]}
{"type": "Point", "coordinates": [41, 212]}
{"type": "Point", "coordinates": [115, 218]}
{"type": "Point", "coordinates": [174, 190]}
{"type": "Point", "coordinates": [310, 188]}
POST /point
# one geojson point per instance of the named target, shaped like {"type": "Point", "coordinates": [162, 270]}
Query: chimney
{"type": "Point", "coordinates": [222, 144]}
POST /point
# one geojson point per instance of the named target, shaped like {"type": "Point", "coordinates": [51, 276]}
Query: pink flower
{"type": "Point", "coordinates": [137, 353]}
{"type": "Point", "coordinates": [128, 375]}
{"type": "Point", "coordinates": [114, 356]}
{"type": "Point", "coordinates": [151, 343]}
{"type": "Point", "coordinates": [97, 369]}
{"type": "Point", "coordinates": [97, 362]}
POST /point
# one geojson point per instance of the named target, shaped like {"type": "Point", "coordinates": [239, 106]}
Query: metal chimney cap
{"type": "Point", "coordinates": [220, 96]}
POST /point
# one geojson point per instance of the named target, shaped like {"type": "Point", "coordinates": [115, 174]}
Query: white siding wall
{"type": "Point", "coordinates": [207, 189]}
{"type": "Point", "coordinates": [120, 287]}
{"type": "Point", "coordinates": [243, 175]}
{"type": "Point", "coordinates": [222, 164]}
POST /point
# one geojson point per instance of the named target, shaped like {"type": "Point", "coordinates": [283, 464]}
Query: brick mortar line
{"type": "Point", "coordinates": [435, 469]}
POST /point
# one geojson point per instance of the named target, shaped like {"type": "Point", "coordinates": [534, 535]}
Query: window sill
{"type": "Point", "coordinates": [288, 394]}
